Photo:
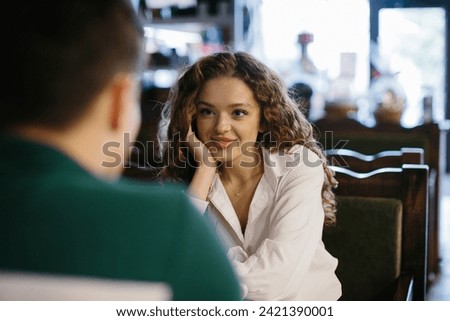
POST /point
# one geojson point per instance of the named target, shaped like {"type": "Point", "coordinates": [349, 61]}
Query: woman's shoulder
{"type": "Point", "coordinates": [294, 156]}
{"type": "Point", "coordinates": [304, 152]}
{"type": "Point", "coordinates": [297, 159]}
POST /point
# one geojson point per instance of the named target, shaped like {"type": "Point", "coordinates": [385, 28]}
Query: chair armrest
{"type": "Point", "coordinates": [404, 287]}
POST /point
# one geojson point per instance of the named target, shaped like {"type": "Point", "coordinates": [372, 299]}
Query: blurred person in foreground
{"type": "Point", "coordinates": [69, 105]}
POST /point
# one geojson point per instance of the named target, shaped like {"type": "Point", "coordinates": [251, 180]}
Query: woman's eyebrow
{"type": "Point", "coordinates": [233, 105]}
{"type": "Point", "coordinates": [240, 105]}
{"type": "Point", "coordinates": [202, 102]}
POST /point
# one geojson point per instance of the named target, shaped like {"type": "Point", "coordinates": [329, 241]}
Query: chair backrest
{"type": "Point", "coordinates": [350, 134]}
{"type": "Point", "coordinates": [365, 163]}
{"type": "Point", "coordinates": [393, 187]}
{"type": "Point", "coordinates": [28, 286]}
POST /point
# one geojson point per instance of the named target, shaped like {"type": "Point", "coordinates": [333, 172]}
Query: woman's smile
{"type": "Point", "coordinates": [222, 142]}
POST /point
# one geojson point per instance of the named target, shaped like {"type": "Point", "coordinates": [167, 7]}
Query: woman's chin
{"type": "Point", "coordinates": [225, 158]}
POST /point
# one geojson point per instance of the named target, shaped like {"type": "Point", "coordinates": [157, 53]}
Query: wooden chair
{"type": "Point", "coordinates": [359, 162]}
{"type": "Point", "coordinates": [381, 235]}
{"type": "Point", "coordinates": [365, 163]}
{"type": "Point", "coordinates": [351, 134]}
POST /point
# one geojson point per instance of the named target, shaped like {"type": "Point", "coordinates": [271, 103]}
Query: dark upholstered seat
{"type": "Point", "coordinates": [367, 242]}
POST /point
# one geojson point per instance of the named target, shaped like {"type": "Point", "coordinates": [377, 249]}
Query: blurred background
{"type": "Point", "coordinates": [337, 47]}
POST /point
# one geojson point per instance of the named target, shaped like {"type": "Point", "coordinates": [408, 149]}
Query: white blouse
{"type": "Point", "coordinates": [281, 256]}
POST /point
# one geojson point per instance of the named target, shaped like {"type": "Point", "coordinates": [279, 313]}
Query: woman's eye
{"type": "Point", "coordinates": [239, 113]}
{"type": "Point", "coordinates": [205, 112]}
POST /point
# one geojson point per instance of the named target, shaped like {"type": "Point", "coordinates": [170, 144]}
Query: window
{"type": "Point", "coordinates": [408, 37]}
{"type": "Point", "coordinates": [412, 44]}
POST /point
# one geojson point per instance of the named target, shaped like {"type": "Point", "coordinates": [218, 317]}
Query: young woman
{"type": "Point", "coordinates": [254, 168]}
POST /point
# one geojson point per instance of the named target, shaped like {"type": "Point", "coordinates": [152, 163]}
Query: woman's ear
{"type": "Point", "coordinates": [262, 126]}
{"type": "Point", "coordinates": [262, 122]}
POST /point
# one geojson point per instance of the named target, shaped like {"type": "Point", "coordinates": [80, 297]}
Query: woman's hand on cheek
{"type": "Point", "coordinates": [206, 170]}
{"type": "Point", "coordinates": [201, 153]}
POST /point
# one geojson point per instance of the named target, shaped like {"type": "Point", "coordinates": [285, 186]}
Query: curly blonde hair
{"type": "Point", "coordinates": [284, 124]}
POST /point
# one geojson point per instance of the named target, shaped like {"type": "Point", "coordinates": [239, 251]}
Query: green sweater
{"type": "Point", "coordinates": [57, 218]}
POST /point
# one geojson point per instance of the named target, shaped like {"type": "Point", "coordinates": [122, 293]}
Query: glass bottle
{"type": "Point", "coordinates": [305, 74]}
{"type": "Point", "coordinates": [304, 39]}
{"type": "Point", "coordinates": [340, 99]}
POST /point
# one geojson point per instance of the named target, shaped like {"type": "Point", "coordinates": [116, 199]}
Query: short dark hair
{"type": "Point", "coordinates": [59, 54]}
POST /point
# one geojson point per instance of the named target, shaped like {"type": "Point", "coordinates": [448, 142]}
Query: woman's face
{"type": "Point", "coordinates": [228, 119]}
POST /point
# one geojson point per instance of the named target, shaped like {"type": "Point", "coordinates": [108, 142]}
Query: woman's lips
{"type": "Point", "coordinates": [221, 143]}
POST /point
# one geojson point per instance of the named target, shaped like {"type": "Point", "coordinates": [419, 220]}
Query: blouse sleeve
{"type": "Point", "coordinates": [278, 267]}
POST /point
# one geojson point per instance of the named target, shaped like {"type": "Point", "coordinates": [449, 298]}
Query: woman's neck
{"type": "Point", "coordinates": [247, 169]}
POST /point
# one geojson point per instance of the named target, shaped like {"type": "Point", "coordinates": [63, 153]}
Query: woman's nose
{"type": "Point", "coordinates": [222, 125]}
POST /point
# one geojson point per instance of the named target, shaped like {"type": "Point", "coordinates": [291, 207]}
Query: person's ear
{"type": "Point", "coordinates": [262, 127]}
{"type": "Point", "coordinates": [120, 100]}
